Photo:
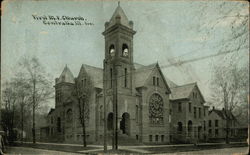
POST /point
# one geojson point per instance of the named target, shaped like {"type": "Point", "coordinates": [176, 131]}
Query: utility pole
{"type": "Point", "coordinates": [115, 118]}
{"type": "Point", "coordinates": [104, 106]}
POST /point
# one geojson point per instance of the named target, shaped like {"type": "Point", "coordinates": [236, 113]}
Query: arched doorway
{"type": "Point", "coordinates": [125, 123]}
{"type": "Point", "coordinates": [179, 129]}
{"type": "Point", "coordinates": [110, 121]}
{"type": "Point", "coordinates": [190, 126]}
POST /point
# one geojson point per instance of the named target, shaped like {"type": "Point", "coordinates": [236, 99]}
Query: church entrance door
{"type": "Point", "coordinates": [125, 123]}
{"type": "Point", "coordinates": [110, 121]}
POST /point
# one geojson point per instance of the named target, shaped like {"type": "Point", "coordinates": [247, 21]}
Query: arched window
{"type": "Point", "coordinates": [58, 124]}
{"type": "Point", "coordinates": [111, 77]}
{"type": "Point", "coordinates": [69, 115]}
{"type": "Point", "coordinates": [137, 114]}
{"type": "Point", "coordinates": [179, 128]}
{"type": "Point", "coordinates": [125, 77]}
{"type": "Point", "coordinates": [156, 109]}
{"type": "Point", "coordinates": [101, 115]}
{"type": "Point", "coordinates": [190, 126]}
{"type": "Point", "coordinates": [112, 50]}
{"type": "Point", "coordinates": [125, 51]}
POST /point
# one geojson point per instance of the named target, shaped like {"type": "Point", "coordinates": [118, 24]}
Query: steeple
{"type": "Point", "coordinates": [66, 76]}
{"type": "Point", "coordinates": [119, 17]}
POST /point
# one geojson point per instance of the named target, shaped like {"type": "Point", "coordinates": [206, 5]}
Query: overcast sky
{"type": "Point", "coordinates": [165, 32]}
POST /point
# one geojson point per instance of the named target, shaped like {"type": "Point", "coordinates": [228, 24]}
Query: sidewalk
{"type": "Point", "coordinates": [94, 149]}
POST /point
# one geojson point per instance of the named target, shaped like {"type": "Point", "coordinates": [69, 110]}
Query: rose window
{"type": "Point", "coordinates": [156, 109]}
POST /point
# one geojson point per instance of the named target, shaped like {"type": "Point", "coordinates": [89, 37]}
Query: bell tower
{"type": "Point", "coordinates": [118, 61]}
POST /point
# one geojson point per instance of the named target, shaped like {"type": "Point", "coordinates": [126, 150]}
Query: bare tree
{"type": "Point", "coordinates": [83, 91]}
{"type": "Point", "coordinates": [224, 27]}
{"type": "Point", "coordinates": [229, 87]}
{"type": "Point", "coordinates": [23, 90]}
{"type": "Point", "coordinates": [9, 111]}
{"type": "Point", "coordinates": [41, 86]}
{"type": "Point", "coordinates": [228, 19]}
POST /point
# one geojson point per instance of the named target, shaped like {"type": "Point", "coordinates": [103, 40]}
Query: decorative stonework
{"type": "Point", "coordinates": [156, 109]}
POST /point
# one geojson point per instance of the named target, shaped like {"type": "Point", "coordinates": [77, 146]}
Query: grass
{"type": "Point", "coordinates": [64, 148]}
{"type": "Point", "coordinates": [173, 149]}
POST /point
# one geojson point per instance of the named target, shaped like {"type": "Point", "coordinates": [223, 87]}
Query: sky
{"type": "Point", "coordinates": [166, 32]}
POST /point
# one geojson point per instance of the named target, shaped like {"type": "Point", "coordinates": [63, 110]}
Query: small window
{"type": "Point", "coordinates": [194, 112]}
{"type": "Point", "coordinates": [111, 77]}
{"type": "Point", "coordinates": [210, 123]}
{"type": "Point", "coordinates": [204, 111]}
{"type": "Point", "coordinates": [137, 114]}
{"type": "Point", "coordinates": [179, 107]}
{"type": "Point", "coordinates": [216, 123]}
{"type": "Point", "coordinates": [216, 132]}
{"type": "Point", "coordinates": [125, 77]}
{"type": "Point", "coordinates": [101, 115]}
{"type": "Point", "coordinates": [137, 137]}
{"type": "Point", "coordinates": [156, 138]}
{"type": "Point", "coordinates": [154, 81]}
{"type": "Point", "coordinates": [162, 138]}
{"type": "Point", "coordinates": [204, 125]}
{"type": "Point", "coordinates": [232, 132]}
{"type": "Point", "coordinates": [190, 107]}
{"type": "Point", "coordinates": [59, 124]}
{"type": "Point", "coordinates": [179, 129]}
{"type": "Point", "coordinates": [199, 112]}
{"type": "Point", "coordinates": [150, 138]}
{"type": "Point", "coordinates": [157, 81]}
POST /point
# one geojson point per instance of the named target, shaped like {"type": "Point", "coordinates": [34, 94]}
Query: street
{"type": "Point", "coordinates": [33, 151]}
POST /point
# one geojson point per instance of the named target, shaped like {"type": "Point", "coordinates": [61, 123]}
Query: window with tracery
{"type": "Point", "coordinates": [69, 115]}
{"type": "Point", "coordinates": [156, 109]}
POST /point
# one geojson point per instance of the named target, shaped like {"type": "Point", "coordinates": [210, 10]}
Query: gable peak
{"type": "Point", "coordinates": [66, 76]}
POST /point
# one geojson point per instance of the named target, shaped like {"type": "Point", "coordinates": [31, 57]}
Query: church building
{"type": "Point", "coordinates": [143, 95]}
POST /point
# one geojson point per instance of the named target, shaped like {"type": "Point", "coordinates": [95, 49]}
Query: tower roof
{"type": "Point", "coordinates": [66, 76]}
{"type": "Point", "coordinates": [119, 17]}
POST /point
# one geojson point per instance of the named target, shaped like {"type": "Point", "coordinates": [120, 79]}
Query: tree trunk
{"type": "Point", "coordinates": [84, 136]}
{"type": "Point", "coordinates": [227, 131]}
{"type": "Point", "coordinates": [22, 123]}
{"type": "Point", "coordinates": [33, 110]}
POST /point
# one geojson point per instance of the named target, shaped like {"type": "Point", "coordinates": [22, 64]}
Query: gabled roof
{"type": "Point", "coordinates": [66, 76]}
{"type": "Point", "coordinates": [119, 15]}
{"type": "Point", "coordinates": [142, 73]}
{"type": "Point", "coordinates": [224, 114]}
{"type": "Point", "coordinates": [182, 92]}
{"type": "Point", "coordinates": [95, 73]}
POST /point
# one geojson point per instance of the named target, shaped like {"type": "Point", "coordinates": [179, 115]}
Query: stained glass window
{"type": "Point", "coordinates": [156, 109]}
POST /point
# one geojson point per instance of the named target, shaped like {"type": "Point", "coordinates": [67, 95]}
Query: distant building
{"type": "Point", "coordinates": [217, 126]}
{"type": "Point", "coordinates": [188, 114]}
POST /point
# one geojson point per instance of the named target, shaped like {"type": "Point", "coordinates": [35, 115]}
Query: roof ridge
{"type": "Point", "coordinates": [92, 66]}
{"type": "Point", "coordinates": [185, 84]}
{"type": "Point", "coordinates": [145, 66]}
